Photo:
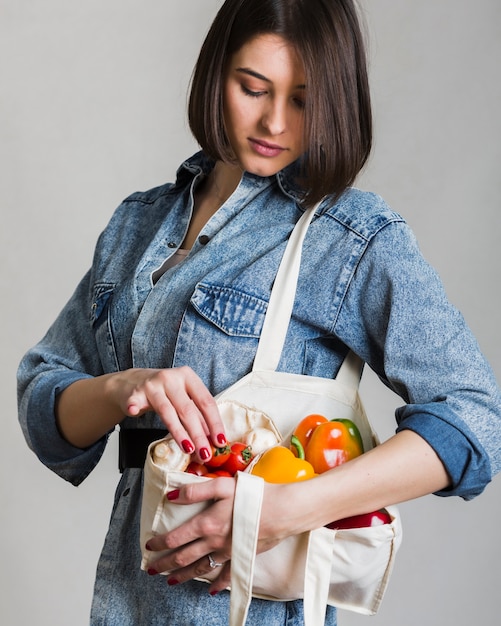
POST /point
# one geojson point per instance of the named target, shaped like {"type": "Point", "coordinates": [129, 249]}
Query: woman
{"type": "Point", "coordinates": [171, 311]}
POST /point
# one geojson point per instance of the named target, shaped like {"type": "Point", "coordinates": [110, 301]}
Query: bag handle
{"type": "Point", "coordinates": [278, 314]}
{"type": "Point", "coordinates": [245, 529]}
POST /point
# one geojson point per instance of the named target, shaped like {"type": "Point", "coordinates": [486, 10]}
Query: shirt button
{"type": "Point", "coordinates": [203, 239]}
{"type": "Point", "coordinates": [172, 244]}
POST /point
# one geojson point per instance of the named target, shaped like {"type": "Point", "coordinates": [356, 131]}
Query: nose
{"type": "Point", "coordinates": [274, 118]}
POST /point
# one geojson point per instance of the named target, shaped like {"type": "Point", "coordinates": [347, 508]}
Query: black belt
{"type": "Point", "coordinates": [133, 444]}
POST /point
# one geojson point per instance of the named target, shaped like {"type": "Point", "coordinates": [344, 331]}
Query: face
{"type": "Point", "coordinates": [264, 97]}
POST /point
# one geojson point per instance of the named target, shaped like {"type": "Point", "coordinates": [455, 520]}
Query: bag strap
{"type": "Point", "coordinates": [282, 298]}
{"type": "Point", "coordinates": [350, 372]}
{"type": "Point", "coordinates": [283, 294]}
{"type": "Point", "coordinates": [317, 576]}
{"type": "Point", "coordinates": [245, 529]}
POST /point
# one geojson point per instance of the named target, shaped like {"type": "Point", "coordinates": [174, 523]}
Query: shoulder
{"type": "Point", "coordinates": [363, 212]}
{"type": "Point", "coordinates": [133, 227]}
{"type": "Point", "coordinates": [161, 196]}
{"type": "Point", "coordinates": [150, 196]}
{"type": "Point", "coordinates": [140, 213]}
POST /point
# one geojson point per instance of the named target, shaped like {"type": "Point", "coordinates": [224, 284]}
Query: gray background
{"type": "Point", "coordinates": [92, 108]}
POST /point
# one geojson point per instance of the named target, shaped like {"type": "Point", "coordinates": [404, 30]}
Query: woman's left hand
{"type": "Point", "coordinates": [208, 533]}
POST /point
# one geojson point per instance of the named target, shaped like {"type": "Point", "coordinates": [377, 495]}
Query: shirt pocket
{"type": "Point", "coordinates": [100, 319]}
{"type": "Point", "coordinates": [219, 334]}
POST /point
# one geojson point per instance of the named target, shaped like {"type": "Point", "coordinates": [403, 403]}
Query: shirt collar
{"type": "Point", "coordinates": [287, 179]}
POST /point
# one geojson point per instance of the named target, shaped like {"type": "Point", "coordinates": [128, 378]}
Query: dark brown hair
{"type": "Point", "coordinates": [329, 41]}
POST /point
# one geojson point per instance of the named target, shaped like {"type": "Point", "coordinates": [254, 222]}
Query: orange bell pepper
{"type": "Point", "coordinates": [304, 430]}
{"type": "Point", "coordinates": [279, 465]}
{"type": "Point", "coordinates": [333, 443]}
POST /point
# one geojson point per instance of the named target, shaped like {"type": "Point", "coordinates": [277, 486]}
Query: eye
{"type": "Point", "coordinates": [299, 103]}
{"type": "Point", "coordinates": [251, 93]}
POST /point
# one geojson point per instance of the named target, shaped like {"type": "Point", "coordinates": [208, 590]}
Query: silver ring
{"type": "Point", "coordinates": [214, 564]}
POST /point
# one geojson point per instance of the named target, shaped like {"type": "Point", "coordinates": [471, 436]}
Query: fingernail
{"type": "Point", "coordinates": [152, 572]}
{"type": "Point", "coordinates": [188, 447]}
{"type": "Point", "coordinates": [204, 454]}
{"type": "Point", "coordinates": [173, 495]}
{"type": "Point", "coordinates": [148, 546]}
{"type": "Point", "coordinates": [172, 581]}
{"type": "Point", "coordinates": [213, 593]}
{"type": "Point", "coordinates": [221, 439]}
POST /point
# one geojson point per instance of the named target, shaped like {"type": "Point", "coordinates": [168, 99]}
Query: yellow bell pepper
{"type": "Point", "coordinates": [279, 465]}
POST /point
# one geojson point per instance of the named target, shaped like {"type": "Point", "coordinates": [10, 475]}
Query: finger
{"type": "Point", "coordinates": [189, 424]}
{"type": "Point", "coordinates": [128, 386]}
{"type": "Point", "coordinates": [184, 425]}
{"type": "Point", "coordinates": [212, 525]}
{"type": "Point", "coordinates": [206, 406]}
{"type": "Point", "coordinates": [164, 393]}
{"type": "Point", "coordinates": [208, 409]}
{"type": "Point", "coordinates": [215, 489]}
{"type": "Point", "coordinates": [137, 404]}
{"type": "Point", "coordinates": [223, 581]}
{"type": "Point", "coordinates": [202, 569]}
{"type": "Point", "coordinates": [180, 563]}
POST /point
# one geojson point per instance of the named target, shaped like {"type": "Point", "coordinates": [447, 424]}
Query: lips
{"type": "Point", "coordinates": [265, 148]}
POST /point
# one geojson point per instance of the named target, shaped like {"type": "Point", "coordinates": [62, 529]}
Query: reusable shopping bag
{"type": "Point", "coordinates": [348, 569]}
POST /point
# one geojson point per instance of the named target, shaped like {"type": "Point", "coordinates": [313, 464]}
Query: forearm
{"type": "Point", "coordinates": [89, 408]}
{"type": "Point", "coordinates": [403, 468]}
{"type": "Point", "coordinates": [85, 411]}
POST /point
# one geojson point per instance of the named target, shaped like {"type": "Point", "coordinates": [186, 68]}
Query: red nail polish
{"type": "Point", "coordinates": [221, 439]}
{"type": "Point", "coordinates": [188, 447]}
{"type": "Point", "coordinates": [148, 546]}
{"type": "Point", "coordinates": [173, 495]}
{"type": "Point", "coordinates": [213, 593]}
{"type": "Point", "coordinates": [204, 454]}
{"type": "Point", "coordinates": [172, 581]}
{"type": "Point", "coordinates": [152, 572]}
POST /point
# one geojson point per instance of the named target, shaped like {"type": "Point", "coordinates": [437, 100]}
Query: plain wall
{"type": "Point", "coordinates": [92, 107]}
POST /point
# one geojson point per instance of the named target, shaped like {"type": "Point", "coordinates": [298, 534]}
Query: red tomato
{"type": "Point", "coordinates": [366, 520]}
{"type": "Point", "coordinates": [219, 456]}
{"type": "Point", "coordinates": [240, 457]}
{"type": "Point", "coordinates": [196, 468]}
{"type": "Point", "coordinates": [218, 472]}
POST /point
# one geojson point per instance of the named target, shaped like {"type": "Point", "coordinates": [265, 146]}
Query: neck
{"type": "Point", "coordinates": [222, 181]}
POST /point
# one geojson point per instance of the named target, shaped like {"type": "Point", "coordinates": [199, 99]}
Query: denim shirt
{"type": "Point", "coordinates": [363, 285]}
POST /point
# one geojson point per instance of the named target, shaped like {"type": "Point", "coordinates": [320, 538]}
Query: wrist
{"type": "Point", "coordinates": [86, 410]}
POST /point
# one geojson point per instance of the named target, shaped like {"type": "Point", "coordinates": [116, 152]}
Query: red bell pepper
{"type": "Point", "coordinates": [365, 520]}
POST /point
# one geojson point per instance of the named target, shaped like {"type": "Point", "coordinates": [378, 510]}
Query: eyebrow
{"type": "Point", "coordinates": [250, 72]}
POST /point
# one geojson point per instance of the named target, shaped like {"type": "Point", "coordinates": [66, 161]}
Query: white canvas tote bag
{"type": "Point", "coordinates": [348, 569]}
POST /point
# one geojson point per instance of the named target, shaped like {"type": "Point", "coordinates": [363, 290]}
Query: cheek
{"type": "Point", "coordinates": [239, 110]}
{"type": "Point", "coordinates": [238, 115]}
{"type": "Point", "coordinates": [298, 131]}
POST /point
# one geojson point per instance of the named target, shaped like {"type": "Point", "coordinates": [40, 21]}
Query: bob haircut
{"type": "Point", "coordinates": [338, 118]}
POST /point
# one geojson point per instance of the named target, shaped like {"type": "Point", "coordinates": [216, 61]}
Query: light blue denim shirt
{"type": "Point", "coordinates": [363, 285]}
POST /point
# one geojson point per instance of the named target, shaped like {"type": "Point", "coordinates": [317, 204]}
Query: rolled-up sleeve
{"type": "Point", "coordinates": [66, 354]}
{"type": "Point", "coordinates": [397, 317]}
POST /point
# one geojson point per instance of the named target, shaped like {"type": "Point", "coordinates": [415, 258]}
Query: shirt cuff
{"type": "Point", "coordinates": [43, 436]}
{"type": "Point", "coordinates": [463, 456]}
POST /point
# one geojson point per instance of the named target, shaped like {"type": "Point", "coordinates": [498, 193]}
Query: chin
{"type": "Point", "coordinates": [268, 168]}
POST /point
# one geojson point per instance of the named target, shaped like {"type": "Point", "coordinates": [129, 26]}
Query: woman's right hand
{"type": "Point", "coordinates": [91, 407]}
{"type": "Point", "coordinates": [181, 400]}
